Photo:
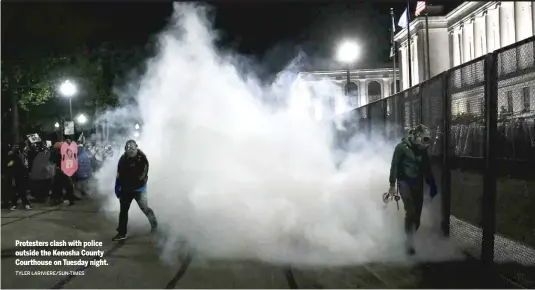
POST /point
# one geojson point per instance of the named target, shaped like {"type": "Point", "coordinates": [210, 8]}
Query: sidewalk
{"type": "Point", "coordinates": [136, 264]}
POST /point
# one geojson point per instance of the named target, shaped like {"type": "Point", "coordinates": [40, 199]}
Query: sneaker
{"type": "Point", "coordinates": [13, 207]}
{"type": "Point", "coordinates": [119, 237]}
{"type": "Point", "coordinates": [27, 207]}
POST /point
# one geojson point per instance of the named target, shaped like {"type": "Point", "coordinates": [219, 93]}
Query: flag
{"type": "Point", "coordinates": [420, 6]}
{"type": "Point", "coordinates": [403, 19]}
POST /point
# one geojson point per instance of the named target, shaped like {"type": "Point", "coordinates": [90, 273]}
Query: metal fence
{"type": "Point", "coordinates": [481, 115]}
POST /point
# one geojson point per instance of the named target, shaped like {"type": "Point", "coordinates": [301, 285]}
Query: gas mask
{"type": "Point", "coordinates": [421, 137]}
{"type": "Point", "coordinates": [130, 148]}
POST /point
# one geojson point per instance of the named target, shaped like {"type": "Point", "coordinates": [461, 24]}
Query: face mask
{"type": "Point", "coordinates": [422, 141]}
{"type": "Point", "coordinates": [131, 149]}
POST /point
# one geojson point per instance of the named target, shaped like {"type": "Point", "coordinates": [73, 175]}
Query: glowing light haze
{"type": "Point", "coordinates": [67, 89]}
{"type": "Point", "coordinates": [235, 175]}
{"type": "Point", "coordinates": [348, 52]}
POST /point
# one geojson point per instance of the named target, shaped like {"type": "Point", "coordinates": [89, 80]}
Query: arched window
{"type": "Point", "coordinates": [374, 91]}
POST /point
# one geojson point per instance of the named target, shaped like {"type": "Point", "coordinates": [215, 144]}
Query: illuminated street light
{"type": "Point", "coordinates": [347, 52]}
{"type": "Point", "coordinates": [137, 127]}
{"type": "Point", "coordinates": [136, 134]}
{"type": "Point", "coordinates": [56, 125]}
{"type": "Point", "coordinates": [81, 119]}
{"type": "Point", "coordinates": [68, 89]}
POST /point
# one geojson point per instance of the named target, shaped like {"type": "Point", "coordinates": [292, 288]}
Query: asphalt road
{"type": "Point", "coordinates": [136, 263]}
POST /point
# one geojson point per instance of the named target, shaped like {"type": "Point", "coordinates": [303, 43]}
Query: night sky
{"type": "Point", "coordinates": [268, 32]}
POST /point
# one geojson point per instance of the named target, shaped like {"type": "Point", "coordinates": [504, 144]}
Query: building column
{"type": "Point", "coordinates": [451, 45]}
{"type": "Point", "coordinates": [485, 32]}
{"type": "Point", "coordinates": [387, 85]}
{"type": "Point", "coordinates": [363, 92]}
{"type": "Point", "coordinates": [533, 16]}
{"type": "Point", "coordinates": [404, 70]}
{"type": "Point", "coordinates": [415, 63]}
{"type": "Point", "coordinates": [523, 20]}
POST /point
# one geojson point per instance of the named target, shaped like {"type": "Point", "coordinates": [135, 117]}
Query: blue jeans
{"type": "Point", "coordinates": [126, 199]}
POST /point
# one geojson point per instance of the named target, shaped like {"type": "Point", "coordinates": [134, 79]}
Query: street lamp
{"type": "Point", "coordinates": [81, 119]}
{"type": "Point", "coordinates": [137, 126]}
{"type": "Point", "coordinates": [56, 125]}
{"type": "Point", "coordinates": [68, 89]}
{"type": "Point", "coordinates": [348, 51]}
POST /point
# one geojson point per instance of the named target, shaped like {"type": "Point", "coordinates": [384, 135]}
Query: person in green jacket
{"type": "Point", "coordinates": [410, 167]}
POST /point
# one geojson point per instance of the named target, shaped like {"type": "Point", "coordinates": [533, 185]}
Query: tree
{"type": "Point", "coordinates": [24, 83]}
{"type": "Point", "coordinates": [32, 85]}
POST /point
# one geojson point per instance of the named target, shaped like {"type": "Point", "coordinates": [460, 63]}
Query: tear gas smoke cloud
{"type": "Point", "coordinates": [237, 177]}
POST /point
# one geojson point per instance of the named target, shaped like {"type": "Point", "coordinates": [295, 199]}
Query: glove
{"type": "Point", "coordinates": [117, 189]}
{"type": "Point", "coordinates": [433, 191]}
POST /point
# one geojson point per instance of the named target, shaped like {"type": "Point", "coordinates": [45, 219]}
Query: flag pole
{"type": "Point", "coordinates": [393, 51]}
{"type": "Point", "coordinates": [409, 41]}
{"type": "Point", "coordinates": [427, 43]}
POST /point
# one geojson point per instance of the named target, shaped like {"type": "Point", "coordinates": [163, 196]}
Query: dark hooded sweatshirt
{"type": "Point", "coordinates": [132, 172]}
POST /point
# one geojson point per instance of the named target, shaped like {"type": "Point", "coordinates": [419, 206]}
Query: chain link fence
{"type": "Point", "coordinates": [485, 162]}
{"type": "Point", "coordinates": [515, 147]}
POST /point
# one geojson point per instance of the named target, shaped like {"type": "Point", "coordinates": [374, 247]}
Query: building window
{"type": "Point", "coordinates": [510, 102]}
{"type": "Point", "coordinates": [526, 100]}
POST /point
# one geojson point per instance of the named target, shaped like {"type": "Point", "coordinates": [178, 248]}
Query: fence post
{"type": "Point", "coordinates": [400, 107]}
{"type": "Point", "coordinates": [489, 183]}
{"type": "Point", "coordinates": [385, 117]}
{"type": "Point", "coordinates": [368, 114]}
{"type": "Point", "coordinates": [446, 172]}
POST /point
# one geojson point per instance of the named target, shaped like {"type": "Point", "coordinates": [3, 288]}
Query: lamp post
{"type": "Point", "coordinates": [68, 89]}
{"type": "Point", "coordinates": [348, 52]}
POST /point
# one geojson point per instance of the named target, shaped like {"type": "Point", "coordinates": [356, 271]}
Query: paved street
{"type": "Point", "coordinates": [135, 264]}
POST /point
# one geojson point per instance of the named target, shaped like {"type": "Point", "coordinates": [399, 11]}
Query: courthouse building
{"type": "Point", "coordinates": [365, 86]}
{"type": "Point", "coordinates": [469, 31]}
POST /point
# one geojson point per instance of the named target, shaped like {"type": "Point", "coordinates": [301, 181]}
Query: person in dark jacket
{"type": "Point", "coordinates": [41, 174]}
{"type": "Point", "coordinates": [85, 171]}
{"type": "Point", "coordinates": [18, 170]}
{"type": "Point", "coordinates": [130, 184]}
{"type": "Point", "coordinates": [410, 167]}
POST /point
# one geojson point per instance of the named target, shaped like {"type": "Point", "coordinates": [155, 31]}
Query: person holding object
{"type": "Point", "coordinates": [410, 167]}
{"type": "Point", "coordinates": [130, 184]}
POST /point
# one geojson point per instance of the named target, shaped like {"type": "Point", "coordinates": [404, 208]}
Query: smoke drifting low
{"type": "Point", "coordinates": [236, 176]}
